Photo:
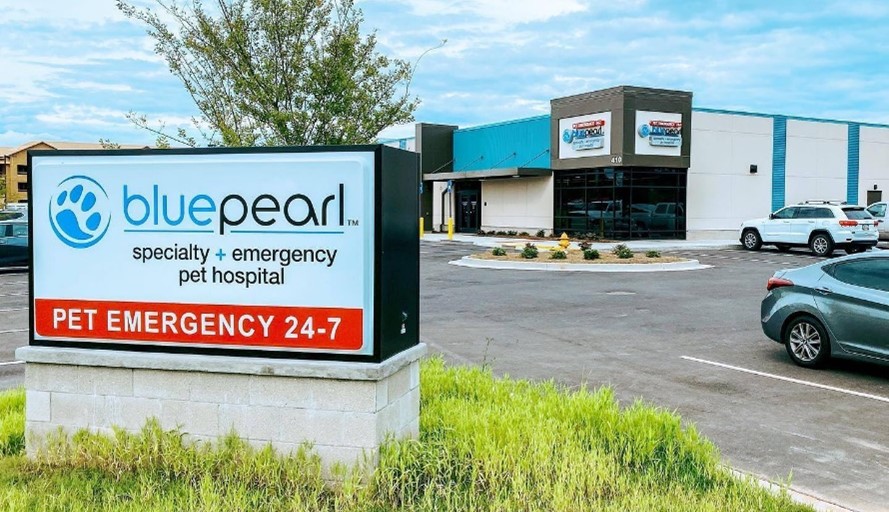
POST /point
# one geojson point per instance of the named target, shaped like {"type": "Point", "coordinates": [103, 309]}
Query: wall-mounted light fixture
{"type": "Point", "coordinates": [753, 169]}
{"type": "Point", "coordinates": [875, 186]}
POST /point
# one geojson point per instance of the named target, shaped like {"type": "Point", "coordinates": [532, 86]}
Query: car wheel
{"type": "Point", "coordinates": [751, 240]}
{"type": "Point", "coordinates": [821, 244]}
{"type": "Point", "coordinates": [782, 247]}
{"type": "Point", "coordinates": [855, 249]}
{"type": "Point", "coordinates": [807, 342]}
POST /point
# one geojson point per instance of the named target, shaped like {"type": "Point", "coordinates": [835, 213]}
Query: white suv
{"type": "Point", "coordinates": [820, 225]}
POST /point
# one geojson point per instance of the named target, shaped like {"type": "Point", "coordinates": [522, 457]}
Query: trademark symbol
{"type": "Point", "coordinates": [353, 222]}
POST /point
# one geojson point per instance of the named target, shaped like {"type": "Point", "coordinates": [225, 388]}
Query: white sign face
{"type": "Point", "coordinates": [658, 133]}
{"type": "Point", "coordinates": [271, 251]}
{"type": "Point", "coordinates": [582, 136]}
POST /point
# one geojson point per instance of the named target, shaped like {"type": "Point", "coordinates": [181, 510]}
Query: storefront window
{"type": "Point", "coordinates": [621, 203]}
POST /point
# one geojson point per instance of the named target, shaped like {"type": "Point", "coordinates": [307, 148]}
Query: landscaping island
{"type": "Point", "coordinates": [485, 444]}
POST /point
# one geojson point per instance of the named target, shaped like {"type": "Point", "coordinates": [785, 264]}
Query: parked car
{"type": "Point", "coordinates": [822, 226]}
{"type": "Point", "coordinates": [12, 214]}
{"type": "Point", "coordinates": [878, 211]}
{"type": "Point", "coordinates": [835, 308]}
{"type": "Point", "coordinates": [13, 243]}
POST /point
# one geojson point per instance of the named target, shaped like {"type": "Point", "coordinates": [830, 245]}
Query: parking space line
{"type": "Point", "coordinates": [790, 379]}
{"type": "Point", "coordinates": [10, 331]}
{"type": "Point", "coordinates": [9, 310]}
{"type": "Point", "coordinates": [12, 363]}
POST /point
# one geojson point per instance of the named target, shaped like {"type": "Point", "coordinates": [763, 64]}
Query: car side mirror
{"type": "Point", "coordinates": [771, 216]}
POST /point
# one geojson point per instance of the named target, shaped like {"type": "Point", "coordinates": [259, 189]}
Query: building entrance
{"type": "Point", "coordinates": [468, 208]}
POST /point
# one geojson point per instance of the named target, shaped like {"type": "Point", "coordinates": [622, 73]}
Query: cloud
{"type": "Point", "coordinates": [61, 13]}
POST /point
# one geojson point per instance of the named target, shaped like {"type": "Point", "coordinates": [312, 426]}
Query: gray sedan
{"type": "Point", "coordinates": [835, 308]}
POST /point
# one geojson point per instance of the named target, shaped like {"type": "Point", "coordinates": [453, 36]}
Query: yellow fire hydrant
{"type": "Point", "coordinates": [563, 241]}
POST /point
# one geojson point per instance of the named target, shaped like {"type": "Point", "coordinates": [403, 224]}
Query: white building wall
{"type": "Point", "coordinates": [439, 223]}
{"type": "Point", "coordinates": [722, 192]}
{"type": "Point", "coordinates": [873, 165]}
{"type": "Point", "coordinates": [521, 204]}
{"type": "Point", "coordinates": [817, 161]}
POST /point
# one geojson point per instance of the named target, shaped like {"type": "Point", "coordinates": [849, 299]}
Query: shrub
{"type": "Point", "coordinates": [622, 251]}
{"type": "Point", "coordinates": [541, 233]}
{"type": "Point", "coordinates": [499, 251]}
{"type": "Point", "coordinates": [653, 254]}
{"type": "Point", "coordinates": [590, 254]}
{"type": "Point", "coordinates": [584, 246]}
{"type": "Point", "coordinates": [512, 233]}
{"type": "Point", "coordinates": [558, 254]}
{"type": "Point", "coordinates": [592, 236]}
{"type": "Point", "coordinates": [501, 233]}
{"type": "Point", "coordinates": [529, 252]}
{"type": "Point", "coordinates": [481, 232]}
{"type": "Point", "coordinates": [524, 233]}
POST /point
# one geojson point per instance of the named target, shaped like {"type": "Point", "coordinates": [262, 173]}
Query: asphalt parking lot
{"type": "Point", "coordinates": [686, 341]}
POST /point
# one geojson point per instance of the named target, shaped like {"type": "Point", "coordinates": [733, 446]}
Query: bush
{"type": "Point", "coordinates": [558, 254]}
{"type": "Point", "coordinates": [501, 233]}
{"type": "Point", "coordinates": [529, 252]}
{"type": "Point", "coordinates": [541, 233]}
{"type": "Point", "coordinates": [584, 246]}
{"type": "Point", "coordinates": [592, 236]}
{"type": "Point", "coordinates": [653, 254]}
{"type": "Point", "coordinates": [590, 254]}
{"type": "Point", "coordinates": [622, 251]}
{"type": "Point", "coordinates": [499, 251]}
{"type": "Point", "coordinates": [512, 233]}
{"type": "Point", "coordinates": [524, 233]}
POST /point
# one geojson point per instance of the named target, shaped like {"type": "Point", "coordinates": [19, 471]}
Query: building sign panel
{"type": "Point", "coordinates": [270, 251]}
{"type": "Point", "coordinates": [585, 136]}
{"type": "Point", "coordinates": [658, 133]}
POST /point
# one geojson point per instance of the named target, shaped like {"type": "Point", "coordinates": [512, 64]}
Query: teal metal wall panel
{"type": "Point", "coordinates": [779, 161]}
{"type": "Point", "coordinates": [852, 166]}
{"type": "Point", "coordinates": [519, 143]}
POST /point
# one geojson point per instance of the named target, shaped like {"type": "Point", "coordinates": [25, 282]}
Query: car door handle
{"type": "Point", "coordinates": [823, 290]}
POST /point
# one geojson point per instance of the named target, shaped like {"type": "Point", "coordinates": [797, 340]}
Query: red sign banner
{"type": "Point", "coordinates": [206, 324]}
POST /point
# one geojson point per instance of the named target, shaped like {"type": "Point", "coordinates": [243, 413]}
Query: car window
{"type": "Point", "coordinates": [10, 215]}
{"type": "Point", "coordinates": [4, 230]}
{"type": "Point", "coordinates": [786, 213]}
{"type": "Point", "coordinates": [805, 213]}
{"type": "Point", "coordinates": [877, 210]}
{"type": "Point", "coordinates": [856, 213]}
{"type": "Point", "coordinates": [19, 230]}
{"type": "Point", "coordinates": [868, 273]}
{"type": "Point", "coordinates": [824, 213]}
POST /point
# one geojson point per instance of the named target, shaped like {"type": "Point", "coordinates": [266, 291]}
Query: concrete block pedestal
{"type": "Point", "coordinates": [345, 409]}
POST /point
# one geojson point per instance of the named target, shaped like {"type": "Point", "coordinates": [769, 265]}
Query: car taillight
{"type": "Point", "coordinates": [848, 223]}
{"type": "Point", "coordinates": [777, 282]}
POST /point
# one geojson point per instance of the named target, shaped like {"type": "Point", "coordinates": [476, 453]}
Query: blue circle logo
{"type": "Point", "coordinates": [644, 130]}
{"type": "Point", "coordinates": [568, 136]}
{"type": "Point", "coordinates": [79, 212]}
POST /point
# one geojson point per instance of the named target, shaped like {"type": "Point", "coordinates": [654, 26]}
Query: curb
{"type": "Point", "coordinates": [470, 262]}
{"type": "Point", "coordinates": [802, 496]}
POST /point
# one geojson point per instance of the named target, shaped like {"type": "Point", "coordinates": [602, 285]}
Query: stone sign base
{"type": "Point", "coordinates": [345, 409]}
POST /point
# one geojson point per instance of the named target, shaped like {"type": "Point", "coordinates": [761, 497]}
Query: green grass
{"type": "Point", "coordinates": [486, 444]}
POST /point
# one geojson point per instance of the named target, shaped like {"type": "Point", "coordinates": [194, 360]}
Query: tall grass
{"type": "Point", "coordinates": [12, 422]}
{"type": "Point", "coordinates": [486, 444]}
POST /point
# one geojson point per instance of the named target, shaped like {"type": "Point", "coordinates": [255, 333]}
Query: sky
{"type": "Point", "coordinates": [71, 70]}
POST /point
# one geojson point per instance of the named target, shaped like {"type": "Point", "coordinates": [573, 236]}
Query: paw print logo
{"type": "Point", "coordinates": [80, 212]}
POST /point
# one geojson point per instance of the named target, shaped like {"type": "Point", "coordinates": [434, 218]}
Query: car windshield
{"type": "Point", "coordinates": [10, 215]}
{"type": "Point", "coordinates": [856, 213]}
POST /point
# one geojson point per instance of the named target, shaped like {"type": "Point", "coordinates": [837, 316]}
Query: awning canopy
{"type": "Point", "coordinates": [490, 174]}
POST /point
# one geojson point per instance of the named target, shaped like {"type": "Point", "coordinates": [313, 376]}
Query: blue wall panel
{"type": "Point", "coordinates": [520, 143]}
{"type": "Point", "coordinates": [779, 161]}
{"type": "Point", "coordinates": [852, 166]}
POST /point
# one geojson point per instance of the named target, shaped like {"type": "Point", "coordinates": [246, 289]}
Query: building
{"type": "Point", "coordinates": [632, 162]}
{"type": "Point", "coordinates": [14, 165]}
